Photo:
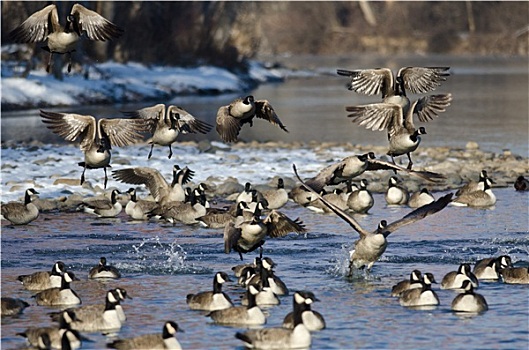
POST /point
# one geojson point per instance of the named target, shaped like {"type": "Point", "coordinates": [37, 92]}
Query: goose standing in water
{"type": "Point", "coordinates": [59, 296]}
{"type": "Point", "coordinates": [372, 244]}
{"type": "Point", "coordinates": [396, 194]}
{"type": "Point", "coordinates": [42, 280]}
{"type": "Point", "coordinates": [18, 213]}
{"type": "Point", "coordinates": [313, 320]}
{"type": "Point", "coordinates": [361, 200]}
{"type": "Point", "coordinates": [469, 301]}
{"type": "Point", "coordinates": [232, 117]}
{"type": "Point", "coordinates": [165, 340]}
{"type": "Point", "coordinates": [473, 186]}
{"type": "Point", "coordinates": [420, 198]}
{"type": "Point", "coordinates": [44, 25]}
{"type": "Point", "coordinates": [277, 197]}
{"type": "Point", "coordinates": [166, 124]}
{"type": "Point", "coordinates": [139, 209]}
{"type": "Point", "coordinates": [103, 207]}
{"type": "Point", "coordinates": [479, 199]}
{"type": "Point", "coordinates": [211, 300]}
{"type": "Point", "coordinates": [97, 136]}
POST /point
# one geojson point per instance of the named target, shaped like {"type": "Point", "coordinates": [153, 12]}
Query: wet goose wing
{"type": "Point", "coordinates": [37, 27]}
{"type": "Point", "coordinates": [96, 26]}
{"type": "Point", "coordinates": [71, 126]}
{"type": "Point", "coordinates": [227, 126]}
{"type": "Point", "coordinates": [370, 81]}
{"type": "Point", "coordinates": [422, 79]}
{"type": "Point", "coordinates": [264, 110]}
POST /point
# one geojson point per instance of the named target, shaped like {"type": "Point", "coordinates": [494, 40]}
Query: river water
{"type": "Point", "coordinates": [161, 264]}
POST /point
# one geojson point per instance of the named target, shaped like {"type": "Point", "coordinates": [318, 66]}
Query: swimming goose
{"type": "Point", "coordinates": [44, 25]}
{"type": "Point", "coordinates": [102, 270]}
{"type": "Point", "coordinates": [361, 200]}
{"type": "Point", "coordinates": [403, 137]}
{"type": "Point", "coordinates": [473, 186]}
{"type": "Point", "coordinates": [218, 217]}
{"type": "Point", "coordinates": [165, 340]}
{"type": "Point", "coordinates": [104, 207]}
{"type": "Point", "coordinates": [13, 306]}
{"type": "Point", "coordinates": [250, 235]}
{"type": "Point", "coordinates": [277, 197]}
{"type": "Point", "coordinates": [420, 198]}
{"type": "Point", "coordinates": [480, 199]}
{"type": "Point", "coordinates": [313, 320]}
{"type": "Point", "coordinates": [515, 275]}
{"type": "Point", "coordinates": [276, 284]}
{"type": "Point", "coordinates": [469, 301]}
{"type": "Point", "coordinates": [54, 334]}
{"type": "Point", "coordinates": [97, 136]}
{"type": "Point", "coordinates": [265, 296]}
{"type": "Point", "coordinates": [166, 124]}
{"type": "Point", "coordinates": [521, 184]}
{"type": "Point", "coordinates": [396, 194]}
{"type": "Point", "coordinates": [413, 282]}
{"type": "Point", "coordinates": [211, 300]}
{"type": "Point", "coordinates": [44, 279]}
{"type": "Point", "coordinates": [139, 209]}
{"type": "Point", "coordinates": [423, 296]}
{"type": "Point", "coordinates": [488, 269]}
{"type": "Point", "coordinates": [238, 270]}
{"type": "Point", "coordinates": [249, 315]}
{"type": "Point", "coordinates": [59, 296]}
{"type": "Point", "coordinates": [454, 279]}
{"type": "Point", "coordinates": [18, 213]}
{"type": "Point", "coordinates": [281, 338]}
{"type": "Point", "coordinates": [372, 244]}
{"type": "Point", "coordinates": [184, 212]}
{"type": "Point", "coordinates": [232, 117]}
{"type": "Point", "coordinates": [159, 188]}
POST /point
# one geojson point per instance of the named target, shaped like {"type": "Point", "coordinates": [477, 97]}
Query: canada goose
{"type": "Point", "coordinates": [232, 117]}
{"type": "Point", "coordinates": [250, 315]}
{"type": "Point", "coordinates": [165, 340]}
{"type": "Point", "coordinates": [166, 124]}
{"type": "Point", "coordinates": [104, 207]}
{"type": "Point", "coordinates": [480, 199]}
{"type": "Point", "coordinates": [281, 338]}
{"type": "Point", "coordinates": [276, 284]}
{"type": "Point", "coordinates": [265, 296]}
{"type": "Point", "coordinates": [54, 334]}
{"type": "Point", "coordinates": [515, 275]}
{"type": "Point", "coordinates": [250, 235]}
{"type": "Point", "coordinates": [246, 194]}
{"type": "Point", "coordinates": [473, 186]}
{"type": "Point", "coordinates": [102, 270]}
{"type": "Point", "coordinates": [423, 296]}
{"type": "Point", "coordinates": [139, 209]}
{"type": "Point", "coordinates": [44, 279]}
{"type": "Point", "coordinates": [247, 273]}
{"type": "Point", "coordinates": [454, 279]}
{"type": "Point", "coordinates": [59, 296]}
{"type": "Point", "coordinates": [184, 212]}
{"type": "Point", "coordinates": [238, 269]}
{"type": "Point", "coordinates": [211, 300]}
{"type": "Point", "coordinates": [353, 166]}
{"type": "Point", "coordinates": [13, 306]}
{"type": "Point", "coordinates": [97, 137]}
{"type": "Point", "coordinates": [361, 200]}
{"type": "Point", "coordinates": [313, 320]}
{"type": "Point", "coordinates": [396, 194]}
{"type": "Point", "coordinates": [372, 244]}
{"type": "Point", "coordinates": [521, 184]}
{"type": "Point", "coordinates": [218, 218]}
{"type": "Point", "coordinates": [420, 198]}
{"type": "Point", "coordinates": [160, 189]}
{"type": "Point", "coordinates": [44, 24]}
{"type": "Point", "coordinates": [413, 282]}
{"type": "Point", "coordinates": [277, 197]}
{"type": "Point", "coordinates": [468, 301]}
{"type": "Point", "coordinates": [338, 197]}
{"type": "Point", "coordinates": [488, 269]}
{"type": "Point", "coordinates": [18, 213]}
{"type": "Point", "coordinates": [403, 137]}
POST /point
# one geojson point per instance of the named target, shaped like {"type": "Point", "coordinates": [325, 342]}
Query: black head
{"type": "Point", "coordinates": [102, 261]}
{"type": "Point", "coordinates": [247, 187]}
{"type": "Point", "coordinates": [248, 99]}
{"type": "Point", "coordinates": [280, 183]}
{"type": "Point", "coordinates": [169, 329]}
{"type": "Point", "coordinates": [421, 131]}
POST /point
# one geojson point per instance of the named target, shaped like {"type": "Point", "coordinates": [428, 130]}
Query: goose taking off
{"type": "Point", "coordinates": [96, 136]}
{"type": "Point", "coordinates": [44, 25]}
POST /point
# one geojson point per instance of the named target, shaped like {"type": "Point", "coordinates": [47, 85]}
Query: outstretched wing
{"type": "Point", "coordinates": [370, 81]}
{"type": "Point", "coordinates": [227, 127]}
{"type": "Point", "coordinates": [325, 177]}
{"type": "Point", "coordinates": [377, 164]}
{"type": "Point", "coordinates": [37, 27]}
{"type": "Point", "coordinates": [155, 115]}
{"type": "Point", "coordinates": [280, 225]}
{"type": "Point", "coordinates": [96, 26]}
{"type": "Point", "coordinates": [264, 110]}
{"type": "Point", "coordinates": [123, 132]}
{"type": "Point", "coordinates": [376, 116]}
{"type": "Point", "coordinates": [186, 123]}
{"type": "Point", "coordinates": [142, 175]}
{"type": "Point", "coordinates": [71, 126]}
{"type": "Point", "coordinates": [231, 236]}
{"type": "Point", "coordinates": [422, 79]}
{"type": "Point", "coordinates": [429, 107]}
{"type": "Point", "coordinates": [342, 214]}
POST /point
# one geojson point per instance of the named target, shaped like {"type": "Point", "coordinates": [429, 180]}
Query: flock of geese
{"type": "Point", "coordinates": [252, 216]}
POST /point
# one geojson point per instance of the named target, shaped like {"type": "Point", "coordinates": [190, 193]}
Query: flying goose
{"type": "Point", "coordinates": [423, 296]}
{"type": "Point", "coordinates": [281, 338]}
{"type": "Point", "coordinates": [488, 269]}
{"type": "Point", "coordinates": [12, 306]}
{"type": "Point", "coordinates": [211, 300]}
{"type": "Point", "coordinates": [420, 198]}
{"type": "Point", "coordinates": [53, 335]}
{"type": "Point", "coordinates": [473, 186]}
{"type": "Point", "coordinates": [96, 136]}
{"type": "Point", "coordinates": [413, 282]}
{"type": "Point", "coordinates": [139, 209]}
{"type": "Point", "coordinates": [103, 207]}
{"type": "Point", "coordinates": [59, 296]}
{"type": "Point", "coordinates": [165, 340]}
{"type": "Point", "coordinates": [160, 189]}
{"type": "Point", "coordinates": [232, 117]}
{"type": "Point", "coordinates": [44, 24]}
{"type": "Point", "coordinates": [250, 235]}
{"type": "Point", "coordinates": [361, 200]}
{"type": "Point", "coordinates": [403, 137]}
{"type": "Point", "coordinates": [18, 213]}
{"type": "Point", "coordinates": [396, 194]}
{"type": "Point", "coordinates": [102, 270]}
{"type": "Point", "coordinates": [277, 197]}
{"type": "Point", "coordinates": [521, 184]}
{"type": "Point", "coordinates": [165, 124]}
{"type": "Point", "coordinates": [469, 301]}
{"type": "Point", "coordinates": [454, 279]}
{"type": "Point", "coordinates": [481, 198]}
{"type": "Point", "coordinates": [313, 320]}
{"type": "Point", "coordinates": [249, 315]}
{"type": "Point", "coordinates": [515, 275]}
{"type": "Point", "coordinates": [44, 279]}
{"type": "Point", "coordinates": [372, 244]}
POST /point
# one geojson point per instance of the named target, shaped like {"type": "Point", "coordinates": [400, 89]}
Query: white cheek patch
{"type": "Point", "coordinates": [299, 299]}
{"type": "Point", "coordinates": [170, 329]}
{"type": "Point", "coordinates": [220, 279]}
{"type": "Point", "coordinates": [111, 298]}
{"type": "Point", "coordinates": [253, 290]}
{"type": "Point", "coordinates": [67, 278]}
{"type": "Point", "coordinates": [309, 301]}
